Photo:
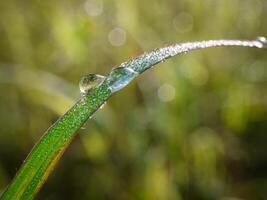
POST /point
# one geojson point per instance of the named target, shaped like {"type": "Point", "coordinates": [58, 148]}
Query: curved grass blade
{"type": "Point", "coordinates": [45, 154]}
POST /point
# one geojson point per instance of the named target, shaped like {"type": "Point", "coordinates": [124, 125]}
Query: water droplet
{"type": "Point", "coordinates": [263, 42]}
{"type": "Point", "coordinates": [120, 77]}
{"type": "Point", "coordinates": [89, 82]}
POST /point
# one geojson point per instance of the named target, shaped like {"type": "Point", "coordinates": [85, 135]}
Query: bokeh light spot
{"type": "Point", "coordinates": [117, 37]}
{"type": "Point", "coordinates": [94, 8]}
{"type": "Point", "coordinates": [183, 22]}
{"type": "Point", "coordinates": [166, 92]}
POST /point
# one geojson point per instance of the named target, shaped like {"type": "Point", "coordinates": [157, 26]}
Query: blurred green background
{"type": "Point", "coordinates": [194, 127]}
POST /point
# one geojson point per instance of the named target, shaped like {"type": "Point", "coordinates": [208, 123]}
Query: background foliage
{"type": "Point", "coordinates": [192, 128]}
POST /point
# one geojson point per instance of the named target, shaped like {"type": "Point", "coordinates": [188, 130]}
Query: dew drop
{"type": "Point", "coordinates": [120, 77]}
{"type": "Point", "coordinates": [89, 82]}
{"type": "Point", "coordinates": [263, 42]}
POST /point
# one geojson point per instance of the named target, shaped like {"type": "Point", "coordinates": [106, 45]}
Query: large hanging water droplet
{"type": "Point", "coordinates": [120, 77]}
{"type": "Point", "coordinates": [89, 82]}
{"type": "Point", "coordinates": [263, 42]}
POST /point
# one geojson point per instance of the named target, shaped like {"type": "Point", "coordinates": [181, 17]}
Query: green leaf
{"type": "Point", "coordinates": [45, 154]}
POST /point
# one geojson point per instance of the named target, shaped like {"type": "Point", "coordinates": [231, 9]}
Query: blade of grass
{"type": "Point", "coordinates": [45, 154]}
{"type": "Point", "coordinates": [48, 150]}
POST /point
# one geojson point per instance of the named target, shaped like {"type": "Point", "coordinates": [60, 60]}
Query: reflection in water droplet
{"type": "Point", "coordinates": [90, 81]}
{"type": "Point", "coordinates": [120, 77]}
{"type": "Point", "coordinates": [263, 42]}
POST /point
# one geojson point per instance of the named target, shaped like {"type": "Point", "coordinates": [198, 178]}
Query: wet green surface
{"type": "Point", "coordinates": [192, 128]}
{"type": "Point", "coordinates": [49, 149]}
